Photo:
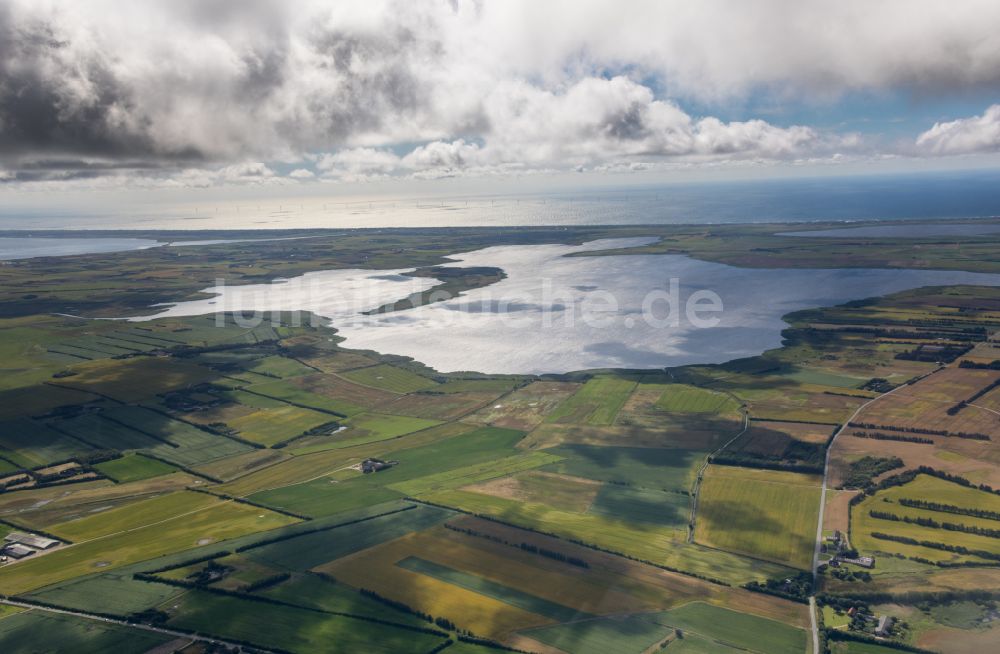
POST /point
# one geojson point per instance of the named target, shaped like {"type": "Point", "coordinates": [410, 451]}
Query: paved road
{"type": "Point", "coordinates": [822, 508]}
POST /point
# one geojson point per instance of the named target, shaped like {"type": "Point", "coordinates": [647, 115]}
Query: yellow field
{"type": "Point", "coordinates": [764, 513]}
{"type": "Point", "coordinates": [376, 569]}
{"type": "Point", "coordinates": [651, 585]}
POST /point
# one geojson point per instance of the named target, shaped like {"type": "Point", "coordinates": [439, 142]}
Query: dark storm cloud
{"type": "Point", "coordinates": [430, 88]}
{"type": "Point", "coordinates": [375, 79]}
{"type": "Point", "coordinates": [36, 117]}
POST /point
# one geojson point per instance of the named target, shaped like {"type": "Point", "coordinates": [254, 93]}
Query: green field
{"type": "Point", "coordinates": [371, 427]}
{"type": "Point", "coordinates": [105, 433]}
{"type": "Point", "coordinates": [648, 542]}
{"type": "Point", "coordinates": [32, 444]}
{"type": "Point", "coordinates": [293, 629]}
{"type": "Point", "coordinates": [320, 592]}
{"type": "Point", "coordinates": [134, 515]}
{"type": "Point", "coordinates": [133, 467]}
{"type": "Point", "coordinates": [133, 380]}
{"type": "Point", "coordinates": [115, 593]}
{"type": "Point", "coordinates": [497, 386]}
{"type": "Point", "coordinates": [178, 442]}
{"type": "Point", "coordinates": [313, 549]}
{"type": "Point", "coordinates": [278, 366]}
{"type": "Point", "coordinates": [740, 630]}
{"type": "Point", "coordinates": [681, 398]}
{"type": "Point", "coordinates": [667, 509]}
{"type": "Point", "coordinates": [705, 629]}
{"type": "Point", "coordinates": [474, 447]}
{"type": "Point", "coordinates": [215, 523]}
{"type": "Point", "coordinates": [327, 496]}
{"type": "Point", "coordinates": [271, 426]}
{"type": "Point", "coordinates": [669, 469]}
{"type": "Point", "coordinates": [36, 631]}
{"type": "Point", "coordinates": [848, 647]}
{"type": "Point", "coordinates": [290, 393]}
{"type": "Point", "coordinates": [596, 403]}
{"type": "Point", "coordinates": [390, 378]}
{"type": "Point", "coordinates": [497, 591]}
{"type": "Point", "coordinates": [474, 473]}
{"type": "Point", "coordinates": [767, 514]}
{"type": "Point", "coordinates": [625, 635]}
{"type": "Point", "coordinates": [929, 489]}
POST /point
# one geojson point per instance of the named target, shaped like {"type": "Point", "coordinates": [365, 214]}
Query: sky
{"type": "Point", "coordinates": [108, 99]}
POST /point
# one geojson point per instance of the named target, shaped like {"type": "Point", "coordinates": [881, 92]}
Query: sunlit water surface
{"type": "Point", "coordinates": [555, 313]}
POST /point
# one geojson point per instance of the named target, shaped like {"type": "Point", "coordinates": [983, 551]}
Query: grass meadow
{"type": "Point", "coordinates": [766, 514]}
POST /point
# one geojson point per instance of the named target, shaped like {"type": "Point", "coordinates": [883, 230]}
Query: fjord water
{"type": "Point", "coordinates": [29, 247]}
{"type": "Point", "coordinates": [555, 313]}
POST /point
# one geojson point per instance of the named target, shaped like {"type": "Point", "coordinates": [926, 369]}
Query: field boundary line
{"type": "Point", "coordinates": [151, 524]}
{"type": "Point", "coordinates": [985, 408]}
{"type": "Point", "coordinates": [133, 625]}
{"type": "Point", "coordinates": [357, 383]}
{"type": "Point", "coordinates": [704, 467]}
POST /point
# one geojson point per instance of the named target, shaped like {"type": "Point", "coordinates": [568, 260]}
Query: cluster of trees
{"type": "Point", "coordinates": [881, 436]}
{"type": "Point", "coordinates": [864, 470]}
{"type": "Point", "coordinates": [878, 384]}
{"type": "Point", "coordinates": [213, 571]}
{"type": "Point", "coordinates": [947, 353]}
{"type": "Point", "coordinates": [558, 556]}
{"type": "Point", "coordinates": [945, 547]}
{"type": "Point", "coordinates": [949, 508]}
{"type": "Point", "coordinates": [920, 430]}
{"type": "Point", "coordinates": [934, 524]}
{"type": "Point", "coordinates": [266, 582]}
{"type": "Point", "coordinates": [960, 334]}
{"type": "Point", "coordinates": [845, 574]}
{"type": "Point", "coordinates": [527, 547]}
{"type": "Point", "coordinates": [975, 396]}
{"type": "Point", "coordinates": [993, 365]}
{"type": "Point", "coordinates": [325, 428]}
{"type": "Point", "coordinates": [745, 460]}
{"type": "Point", "coordinates": [443, 623]}
{"type": "Point", "coordinates": [797, 588]}
{"type": "Point", "coordinates": [486, 642]}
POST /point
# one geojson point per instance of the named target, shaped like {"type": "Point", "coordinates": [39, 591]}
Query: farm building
{"type": "Point", "coordinates": [884, 627]}
{"type": "Point", "coordinates": [863, 561]}
{"type": "Point", "coordinates": [17, 551]}
{"type": "Point", "coordinates": [31, 540]}
{"type": "Point", "coordinates": [374, 465]}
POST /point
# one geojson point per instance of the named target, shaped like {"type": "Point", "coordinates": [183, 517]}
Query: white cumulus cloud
{"type": "Point", "coordinates": [965, 135]}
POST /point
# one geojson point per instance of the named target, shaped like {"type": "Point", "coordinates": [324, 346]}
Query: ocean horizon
{"type": "Point", "coordinates": [914, 196]}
